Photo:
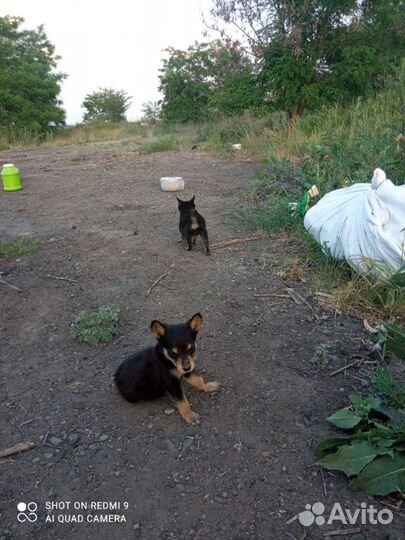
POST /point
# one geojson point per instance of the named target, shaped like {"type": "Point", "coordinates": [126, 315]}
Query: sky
{"type": "Point", "coordinates": [112, 43]}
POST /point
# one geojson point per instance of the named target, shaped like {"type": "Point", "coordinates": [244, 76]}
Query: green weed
{"type": "Point", "coordinates": [19, 248]}
{"type": "Point", "coordinates": [96, 327]}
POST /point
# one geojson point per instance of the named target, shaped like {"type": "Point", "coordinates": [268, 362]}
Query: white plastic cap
{"type": "Point", "coordinates": [8, 165]}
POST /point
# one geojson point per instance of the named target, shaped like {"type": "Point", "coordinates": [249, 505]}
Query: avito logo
{"type": "Point", "coordinates": [315, 513]}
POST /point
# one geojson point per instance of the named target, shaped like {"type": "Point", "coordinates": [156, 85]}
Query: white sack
{"type": "Point", "coordinates": [364, 224]}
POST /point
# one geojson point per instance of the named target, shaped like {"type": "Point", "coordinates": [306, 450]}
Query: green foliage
{"type": "Point", "coordinates": [374, 451]}
{"type": "Point", "coordinates": [106, 105]}
{"type": "Point", "coordinates": [165, 144]}
{"type": "Point", "coordinates": [29, 83]}
{"type": "Point", "coordinates": [272, 190]}
{"type": "Point", "coordinates": [384, 475]}
{"type": "Point", "coordinates": [344, 419]}
{"type": "Point", "coordinates": [385, 385]}
{"type": "Point", "coordinates": [395, 339]}
{"type": "Point", "coordinates": [95, 327]}
{"type": "Point", "coordinates": [205, 80]}
{"type": "Point", "coordinates": [320, 356]}
{"type": "Point", "coordinates": [151, 111]}
{"type": "Point", "coordinates": [350, 459]}
{"type": "Point", "coordinates": [22, 247]}
{"type": "Point", "coordinates": [311, 54]}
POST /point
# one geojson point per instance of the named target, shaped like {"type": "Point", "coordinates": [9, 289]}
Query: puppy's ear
{"type": "Point", "coordinates": [195, 323]}
{"type": "Point", "coordinates": [192, 200]}
{"type": "Point", "coordinates": [180, 202]}
{"type": "Point", "coordinates": [158, 329]}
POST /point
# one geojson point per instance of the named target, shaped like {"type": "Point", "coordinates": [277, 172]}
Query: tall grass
{"type": "Point", "coordinates": [339, 146]}
{"type": "Point", "coordinates": [333, 148]}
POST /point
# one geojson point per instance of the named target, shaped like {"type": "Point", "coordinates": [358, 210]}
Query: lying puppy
{"type": "Point", "coordinates": [150, 373]}
{"type": "Point", "coordinates": [192, 224]}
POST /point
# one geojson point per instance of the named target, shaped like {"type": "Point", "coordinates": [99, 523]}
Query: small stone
{"type": "Point", "coordinates": [137, 526]}
{"type": "Point", "coordinates": [35, 461]}
{"type": "Point", "coordinates": [52, 240]}
{"type": "Point", "coordinates": [188, 443]}
{"type": "Point", "coordinates": [48, 455]}
{"type": "Point", "coordinates": [168, 412]}
{"type": "Point", "coordinates": [55, 441]}
{"type": "Point", "coordinates": [284, 468]}
{"type": "Point", "coordinates": [52, 339]}
{"type": "Point", "coordinates": [73, 438]}
{"type": "Point", "coordinates": [103, 438]}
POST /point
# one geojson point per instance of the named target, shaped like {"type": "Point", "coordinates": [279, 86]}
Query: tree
{"type": "Point", "coordinates": [313, 52]}
{"type": "Point", "coordinates": [207, 79]}
{"type": "Point", "coordinates": [106, 105]}
{"type": "Point", "coordinates": [29, 84]}
{"type": "Point", "coordinates": [151, 111]}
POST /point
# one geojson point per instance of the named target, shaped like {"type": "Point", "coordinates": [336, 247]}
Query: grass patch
{"type": "Point", "coordinates": [98, 326]}
{"type": "Point", "coordinates": [160, 145]}
{"type": "Point", "coordinates": [19, 248]}
{"type": "Point", "coordinates": [271, 191]}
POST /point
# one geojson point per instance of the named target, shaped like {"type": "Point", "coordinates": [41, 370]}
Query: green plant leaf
{"type": "Point", "coordinates": [383, 476]}
{"type": "Point", "coordinates": [344, 418]}
{"type": "Point", "coordinates": [331, 442]}
{"type": "Point", "coordinates": [396, 340]}
{"type": "Point", "coordinates": [364, 406]}
{"type": "Point", "coordinates": [350, 459]}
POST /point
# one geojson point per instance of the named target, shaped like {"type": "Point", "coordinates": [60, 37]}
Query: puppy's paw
{"type": "Point", "coordinates": [192, 418]}
{"type": "Point", "coordinates": [212, 387]}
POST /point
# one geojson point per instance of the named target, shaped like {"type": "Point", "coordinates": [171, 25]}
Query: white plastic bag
{"type": "Point", "coordinates": [363, 224]}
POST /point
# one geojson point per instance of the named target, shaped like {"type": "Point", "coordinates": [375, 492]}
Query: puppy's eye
{"type": "Point", "coordinates": [173, 354]}
{"type": "Point", "coordinates": [190, 348]}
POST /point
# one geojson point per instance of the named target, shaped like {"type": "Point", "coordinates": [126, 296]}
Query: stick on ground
{"type": "Point", "coordinates": [9, 285]}
{"type": "Point", "coordinates": [235, 241]}
{"type": "Point", "coordinates": [61, 278]}
{"type": "Point", "coordinates": [352, 364]}
{"type": "Point", "coordinates": [159, 279]}
{"type": "Point", "coordinates": [20, 447]}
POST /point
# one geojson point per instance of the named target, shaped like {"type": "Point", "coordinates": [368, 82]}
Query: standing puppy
{"type": "Point", "coordinates": [150, 373]}
{"type": "Point", "coordinates": [192, 224]}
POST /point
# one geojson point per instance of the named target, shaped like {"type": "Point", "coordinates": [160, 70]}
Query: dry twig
{"type": "Point", "coordinates": [158, 280]}
{"type": "Point", "coordinates": [20, 447]}
{"type": "Point", "coordinates": [61, 278]}
{"type": "Point", "coordinates": [236, 241]}
{"type": "Point", "coordinates": [29, 421]}
{"type": "Point", "coordinates": [352, 364]}
{"type": "Point", "coordinates": [4, 282]}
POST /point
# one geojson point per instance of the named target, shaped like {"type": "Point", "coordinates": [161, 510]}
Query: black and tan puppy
{"type": "Point", "coordinates": [150, 373]}
{"type": "Point", "coordinates": [192, 224]}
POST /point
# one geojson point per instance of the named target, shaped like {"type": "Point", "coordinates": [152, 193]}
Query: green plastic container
{"type": "Point", "coordinates": [11, 178]}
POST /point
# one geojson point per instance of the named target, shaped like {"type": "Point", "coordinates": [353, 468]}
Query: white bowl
{"type": "Point", "coordinates": [172, 183]}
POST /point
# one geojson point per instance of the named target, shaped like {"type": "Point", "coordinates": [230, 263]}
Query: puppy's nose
{"type": "Point", "coordinates": [186, 365]}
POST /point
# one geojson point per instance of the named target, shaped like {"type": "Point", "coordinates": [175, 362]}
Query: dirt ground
{"type": "Point", "coordinates": [250, 465]}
